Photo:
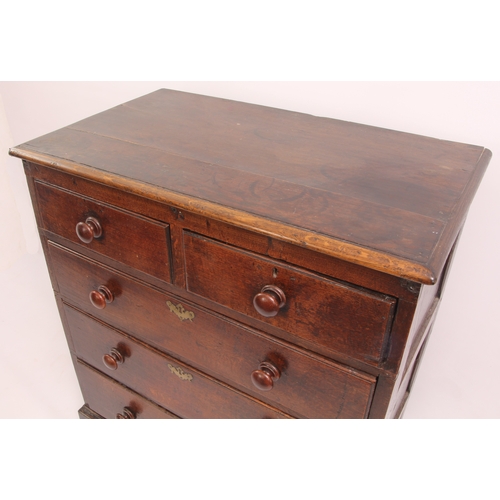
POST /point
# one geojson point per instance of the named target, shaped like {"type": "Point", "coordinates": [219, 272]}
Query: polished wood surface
{"type": "Point", "coordinates": [397, 200]}
{"type": "Point", "coordinates": [317, 309]}
{"type": "Point", "coordinates": [213, 259]}
{"type": "Point", "coordinates": [108, 398]}
{"type": "Point", "coordinates": [185, 391]}
{"type": "Point", "coordinates": [232, 353]}
{"type": "Point", "coordinates": [125, 237]}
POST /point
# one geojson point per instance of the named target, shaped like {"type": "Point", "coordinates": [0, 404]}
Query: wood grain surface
{"type": "Point", "coordinates": [108, 398]}
{"type": "Point", "coordinates": [308, 387]}
{"type": "Point", "coordinates": [136, 241]}
{"type": "Point", "coordinates": [388, 200]}
{"type": "Point", "coordinates": [330, 313]}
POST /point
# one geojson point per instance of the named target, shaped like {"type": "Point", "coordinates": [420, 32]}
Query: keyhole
{"type": "Point", "coordinates": [275, 272]}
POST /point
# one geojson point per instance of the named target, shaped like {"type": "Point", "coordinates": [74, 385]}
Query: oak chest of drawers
{"type": "Point", "coordinates": [215, 259]}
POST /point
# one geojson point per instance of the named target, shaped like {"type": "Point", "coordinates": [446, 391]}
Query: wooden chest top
{"type": "Point", "coordinates": [387, 200]}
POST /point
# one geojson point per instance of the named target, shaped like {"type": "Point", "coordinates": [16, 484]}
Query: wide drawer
{"type": "Point", "coordinates": [112, 400]}
{"type": "Point", "coordinates": [305, 387]}
{"type": "Point", "coordinates": [184, 391]}
{"type": "Point", "coordinates": [332, 314]}
{"type": "Point", "coordinates": [308, 386]}
{"type": "Point", "coordinates": [125, 237]}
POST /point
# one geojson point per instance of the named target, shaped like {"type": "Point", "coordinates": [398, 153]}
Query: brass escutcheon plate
{"type": "Point", "coordinates": [177, 370]}
{"type": "Point", "coordinates": [180, 312]}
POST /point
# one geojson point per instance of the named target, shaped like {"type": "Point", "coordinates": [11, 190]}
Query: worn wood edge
{"type": "Point", "coordinates": [350, 252]}
{"type": "Point", "coordinates": [459, 213]}
{"type": "Point", "coordinates": [85, 412]}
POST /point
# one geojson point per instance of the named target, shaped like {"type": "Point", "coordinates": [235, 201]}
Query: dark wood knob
{"type": "Point", "coordinates": [269, 301]}
{"type": "Point", "coordinates": [88, 230]}
{"type": "Point", "coordinates": [126, 413]}
{"type": "Point", "coordinates": [100, 297]}
{"type": "Point", "coordinates": [113, 359]}
{"type": "Point", "coordinates": [265, 376]}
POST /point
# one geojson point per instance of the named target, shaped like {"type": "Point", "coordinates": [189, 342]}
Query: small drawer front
{"type": "Point", "coordinates": [184, 391]}
{"type": "Point", "coordinates": [112, 400]}
{"type": "Point", "coordinates": [127, 238]}
{"type": "Point", "coordinates": [332, 314]}
{"type": "Point", "coordinates": [305, 386]}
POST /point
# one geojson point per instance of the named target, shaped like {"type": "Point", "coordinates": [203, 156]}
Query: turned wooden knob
{"type": "Point", "coordinates": [113, 359]}
{"type": "Point", "coordinates": [265, 376]}
{"type": "Point", "coordinates": [126, 413]}
{"type": "Point", "coordinates": [269, 301]}
{"type": "Point", "coordinates": [88, 230]}
{"type": "Point", "coordinates": [100, 297]}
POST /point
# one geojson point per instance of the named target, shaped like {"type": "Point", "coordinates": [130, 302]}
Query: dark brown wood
{"type": "Point", "coordinates": [106, 397]}
{"type": "Point", "coordinates": [282, 173]}
{"type": "Point", "coordinates": [317, 309]}
{"type": "Point", "coordinates": [125, 237]}
{"type": "Point", "coordinates": [310, 386]}
{"type": "Point", "coordinates": [225, 260]}
{"type": "Point", "coordinates": [251, 240]}
{"type": "Point", "coordinates": [169, 383]}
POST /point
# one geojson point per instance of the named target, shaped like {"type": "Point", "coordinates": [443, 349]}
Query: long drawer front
{"type": "Point", "coordinates": [307, 386]}
{"type": "Point", "coordinates": [186, 392]}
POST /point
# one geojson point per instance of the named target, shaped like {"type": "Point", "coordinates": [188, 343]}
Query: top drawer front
{"type": "Point", "coordinates": [133, 240]}
{"type": "Point", "coordinates": [325, 312]}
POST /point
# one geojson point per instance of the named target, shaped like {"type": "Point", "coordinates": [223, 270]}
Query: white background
{"type": "Point", "coordinates": [458, 377]}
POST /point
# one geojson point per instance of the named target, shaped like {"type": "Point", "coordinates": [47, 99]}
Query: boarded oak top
{"type": "Point", "coordinates": [387, 200]}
